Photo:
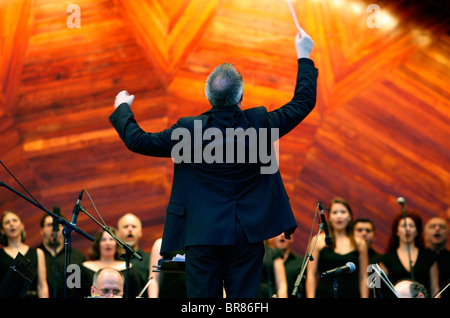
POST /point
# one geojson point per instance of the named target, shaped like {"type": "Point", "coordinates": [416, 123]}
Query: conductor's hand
{"type": "Point", "coordinates": [123, 97]}
{"type": "Point", "coordinates": [303, 44]}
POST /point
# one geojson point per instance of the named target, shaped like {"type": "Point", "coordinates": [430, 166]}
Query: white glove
{"type": "Point", "coordinates": [123, 97]}
{"type": "Point", "coordinates": [303, 44]}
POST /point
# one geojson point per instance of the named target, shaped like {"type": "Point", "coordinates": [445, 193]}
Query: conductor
{"type": "Point", "coordinates": [225, 200]}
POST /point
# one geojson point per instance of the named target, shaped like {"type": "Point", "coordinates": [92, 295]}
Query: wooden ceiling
{"type": "Point", "coordinates": [380, 128]}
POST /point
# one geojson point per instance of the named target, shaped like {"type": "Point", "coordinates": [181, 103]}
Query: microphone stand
{"type": "Point", "coordinates": [335, 287]}
{"type": "Point", "coordinates": [129, 252]}
{"type": "Point", "coordinates": [411, 271]}
{"type": "Point", "coordinates": [307, 258]}
{"type": "Point", "coordinates": [68, 227]}
{"type": "Point", "coordinates": [55, 258]}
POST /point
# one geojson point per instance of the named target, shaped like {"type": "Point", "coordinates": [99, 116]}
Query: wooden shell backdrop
{"type": "Point", "coordinates": [380, 130]}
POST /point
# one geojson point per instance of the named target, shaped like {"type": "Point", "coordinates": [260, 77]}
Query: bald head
{"type": "Point", "coordinates": [107, 283]}
{"type": "Point", "coordinates": [410, 289]}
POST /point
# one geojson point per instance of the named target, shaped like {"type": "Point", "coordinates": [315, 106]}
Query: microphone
{"type": "Point", "coordinates": [76, 209]}
{"type": "Point", "coordinates": [348, 268]}
{"type": "Point", "coordinates": [328, 238]}
{"type": "Point", "coordinates": [401, 201]}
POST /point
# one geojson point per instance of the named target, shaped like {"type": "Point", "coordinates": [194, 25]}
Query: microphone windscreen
{"type": "Point", "coordinates": [351, 266]}
{"type": "Point", "coordinates": [401, 200]}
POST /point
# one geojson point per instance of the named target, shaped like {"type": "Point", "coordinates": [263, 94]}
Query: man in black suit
{"type": "Point", "coordinates": [227, 194]}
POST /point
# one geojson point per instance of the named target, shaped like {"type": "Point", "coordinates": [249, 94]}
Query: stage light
{"type": "Point", "coordinates": [356, 7]}
{"type": "Point", "coordinates": [388, 21]}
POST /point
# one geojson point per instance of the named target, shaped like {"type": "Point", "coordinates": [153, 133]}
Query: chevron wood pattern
{"type": "Point", "coordinates": [380, 128]}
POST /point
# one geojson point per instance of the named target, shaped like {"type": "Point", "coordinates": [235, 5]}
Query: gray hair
{"type": "Point", "coordinates": [417, 288]}
{"type": "Point", "coordinates": [224, 86]}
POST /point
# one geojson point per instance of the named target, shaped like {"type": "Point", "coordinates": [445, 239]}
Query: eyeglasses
{"type": "Point", "coordinates": [117, 293]}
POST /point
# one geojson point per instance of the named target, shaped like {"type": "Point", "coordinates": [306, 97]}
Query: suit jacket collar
{"type": "Point", "coordinates": [224, 109]}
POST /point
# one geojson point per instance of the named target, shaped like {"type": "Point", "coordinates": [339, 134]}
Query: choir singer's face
{"type": "Point", "coordinates": [340, 217]}
{"type": "Point", "coordinates": [408, 233]}
{"type": "Point", "coordinates": [365, 231]}
{"type": "Point", "coordinates": [107, 245]}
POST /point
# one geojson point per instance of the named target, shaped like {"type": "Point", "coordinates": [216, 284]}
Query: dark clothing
{"type": "Point", "coordinates": [443, 260]}
{"type": "Point", "coordinates": [268, 285]}
{"type": "Point", "coordinates": [56, 269]}
{"type": "Point", "coordinates": [172, 285]}
{"type": "Point", "coordinates": [374, 256]}
{"type": "Point", "coordinates": [207, 199]}
{"type": "Point", "coordinates": [347, 284]}
{"type": "Point", "coordinates": [421, 269]}
{"type": "Point", "coordinates": [142, 268]}
{"type": "Point", "coordinates": [236, 268]}
{"type": "Point", "coordinates": [6, 261]}
{"type": "Point", "coordinates": [293, 264]}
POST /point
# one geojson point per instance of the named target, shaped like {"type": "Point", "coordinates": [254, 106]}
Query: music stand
{"type": "Point", "coordinates": [388, 291]}
{"type": "Point", "coordinates": [170, 266]}
{"type": "Point", "coordinates": [171, 276]}
{"type": "Point", "coordinates": [447, 284]}
{"type": "Point", "coordinates": [18, 279]}
{"type": "Point", "coordinates": [145, 288]}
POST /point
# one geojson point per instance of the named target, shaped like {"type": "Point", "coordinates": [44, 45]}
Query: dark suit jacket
{"type": "Point", "coordinates": [207, 198]}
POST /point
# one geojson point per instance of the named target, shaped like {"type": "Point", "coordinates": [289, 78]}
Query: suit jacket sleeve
{"type": "Point", "coordinates": [157, 144]}
{"type": "Point", "coordinates": [290, 115]}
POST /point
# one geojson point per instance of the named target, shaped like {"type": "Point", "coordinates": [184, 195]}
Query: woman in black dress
{"type": "Point", "coordinates": [406, 256]}
{"type": "Point", "coordinates": [345, 248]}
{"type": "Point", "coordinates": [12, 238]}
